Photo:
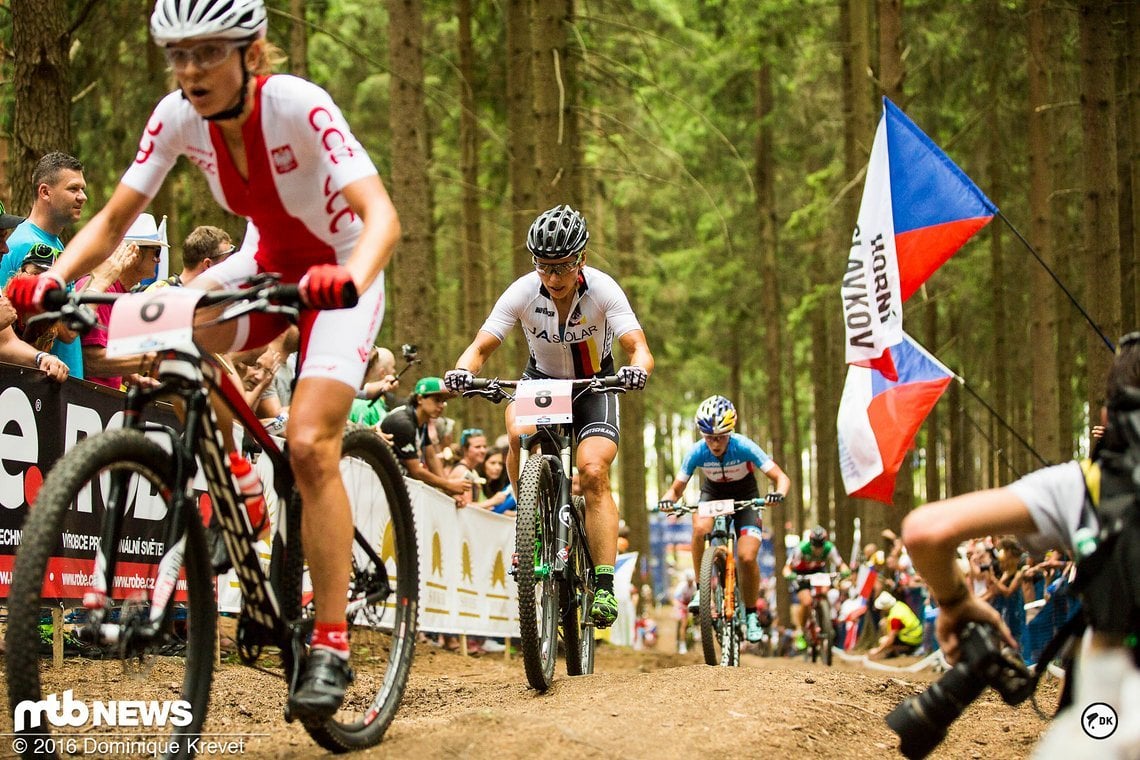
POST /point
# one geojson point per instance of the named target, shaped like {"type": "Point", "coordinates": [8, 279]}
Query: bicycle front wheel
{"type": "Point", "coordinates": [383, 594]}
{"type": "Point", "coordinates": [142, 645]}
{"type": "Point", "coordinates": [711, 587]}
{"type": "Point", "coordinates": [538, 596]}
{"type": "Point", "coordinates": [826, 630]}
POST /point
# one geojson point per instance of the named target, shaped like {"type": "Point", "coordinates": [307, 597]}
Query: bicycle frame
{"type": "Point", "coordinates": [560, 439]}
{"type": "Point", "coordinates": [723, 534]}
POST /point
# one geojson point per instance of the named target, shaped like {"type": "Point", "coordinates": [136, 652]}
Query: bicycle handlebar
{"type": "Point", "coordinates": [494, 388]}
{"type": "Point", "coordinates": [681, 508]}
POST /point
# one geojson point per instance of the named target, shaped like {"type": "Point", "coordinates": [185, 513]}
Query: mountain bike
{"type": "Point", "coordinates": [554, 570]}
{"type": "Point", "coordinates": [142, 607]}
{"type": "Point", "coordinates": [819, 632]}
{"type": "Point", "coordinates": [721, 603]}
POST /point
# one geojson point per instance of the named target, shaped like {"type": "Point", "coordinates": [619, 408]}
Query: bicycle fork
{"type": "Point", "coordinates": [729, 585]}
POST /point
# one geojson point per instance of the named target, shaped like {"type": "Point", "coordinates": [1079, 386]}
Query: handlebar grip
{"type": "Point", "coordinates": [285, 294]}
{"type": "Point", "coordinates": [54, 300]}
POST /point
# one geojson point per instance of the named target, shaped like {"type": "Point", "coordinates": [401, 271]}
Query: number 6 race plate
{"type": "Point", "coordinates": [143, 322]}
{"type": "Point", "coordinates": [544, 402]}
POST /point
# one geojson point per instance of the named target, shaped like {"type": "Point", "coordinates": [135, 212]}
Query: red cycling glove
{"type": "Point", "coordinates": [27, 293]}
{"type": "Point", "coordinates": [328, 286]}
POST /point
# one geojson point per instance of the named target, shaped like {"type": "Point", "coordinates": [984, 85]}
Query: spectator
{"type": "Point", "coordinates": [472, 453]}
{"type": "Point", "coordinates": [378, 378]}
{"type": "Point", "coordinates": [497, 493]}
{"type": "Point", "coordinates": [903, 629]}
{"type": "Point", "coordinates": [409, 424]}
{"type": "Point", "coordinates": [60, 194]}
{"type": "Point", "coordinates": [381, 391]}
{"type": "Point", "coordinates": [8, 223]}
{"type": "Point", "coordinates": [15, 351]}
{"type": "Point", "coordinates": [138, 254]}
{"type": "Point", "coordinates": [205, 246]}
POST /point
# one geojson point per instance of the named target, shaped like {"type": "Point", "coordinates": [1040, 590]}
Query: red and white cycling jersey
{"type": "Point", "coordinates": [296, 140]}
{"type": "Point", "coordinates": [580, 348]}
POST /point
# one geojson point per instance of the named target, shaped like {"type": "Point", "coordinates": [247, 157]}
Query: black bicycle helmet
{"type": "Point", "coordinates": [557, 234]}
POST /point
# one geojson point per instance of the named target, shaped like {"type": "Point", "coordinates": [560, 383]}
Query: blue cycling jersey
{"type": "Point", "coordinates": [729, 476]}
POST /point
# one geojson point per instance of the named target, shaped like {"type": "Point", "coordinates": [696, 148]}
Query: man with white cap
{"type": "Point", "coordinates": [903, 632]}
{"type": "Point", "coordinates": [131, 263]}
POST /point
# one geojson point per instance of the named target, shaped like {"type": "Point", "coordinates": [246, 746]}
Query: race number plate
{"type": "Point", "coordinates": [821, 579]}
{"type": "Point", "coordinates": [155, 321]}
{"type": "Point", "coordinates": [716, 508]}
{"type": "Point", "coordinates": [544, 402]}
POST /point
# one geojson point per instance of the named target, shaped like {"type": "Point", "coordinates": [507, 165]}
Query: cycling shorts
{"type": "Point", "coordinates": [595, 414]}
{"type": "Point", "coordinates": [335, 343]}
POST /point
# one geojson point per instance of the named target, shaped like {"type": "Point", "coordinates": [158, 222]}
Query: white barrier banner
{"type": "Point", "coordinates": [463, 558]}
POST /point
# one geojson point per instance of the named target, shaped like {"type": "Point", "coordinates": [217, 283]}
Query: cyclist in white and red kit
{"type": "Point", "coordinates": [276, 150]}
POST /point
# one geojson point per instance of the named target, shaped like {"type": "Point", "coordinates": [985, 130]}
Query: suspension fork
{"type": "Point", "coordinates": [729, 581]}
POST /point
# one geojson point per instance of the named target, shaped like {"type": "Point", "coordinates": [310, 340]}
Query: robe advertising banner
{"type": "Point", "coordinates": [41, 420]}
{"type": "Point", "coordinates": [878, 418]}
{"type": "Point", "coordinates": [918, 209]}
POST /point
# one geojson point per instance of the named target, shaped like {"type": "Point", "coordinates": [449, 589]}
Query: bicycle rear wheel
{"type": "Point", "coordinates": [732, 633]}
{"type": "Point", "coordinates": [121, 475]}
{"type": "Point", "coordinates": [711, 587]}
{"type": "Point", "coordinates": [575, 597]}
{"type": "Point", "coordinates": [383, 594]}
{"type": "Point", "coordinates": [538, 596]}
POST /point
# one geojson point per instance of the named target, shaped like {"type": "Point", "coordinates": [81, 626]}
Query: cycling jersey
{"type": "Point", "coordinates": [300, 154]}
{"type": "Point", "coordinates": [807, 558]}
{"type": "Point", "coordinates": [729, 476]}
{"type": "Point", "coordinates": [297, 144]}
{"type": "Point", "coordinates": [581, 346]}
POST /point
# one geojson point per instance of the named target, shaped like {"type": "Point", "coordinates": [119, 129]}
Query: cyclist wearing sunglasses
{"type": "Point", "coordinates": [570, 314]}
{"type": "Point", "coordinates": [275, 149]}
{"type": "Point", "coordinates": [729, 461]}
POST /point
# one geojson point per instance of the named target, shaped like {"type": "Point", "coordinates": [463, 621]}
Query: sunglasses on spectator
{"type": "Point", "coordinates": [219, 258]}
{"type": "Point", "coordinates": [557, 269]}
{"type": "Point", "coordinates": [204, 55]}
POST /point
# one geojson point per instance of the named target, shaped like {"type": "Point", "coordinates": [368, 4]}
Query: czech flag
{"type": "Point", "coordinates": [878, 418]}
{"type": "Point", "coordinates": [918, 209]}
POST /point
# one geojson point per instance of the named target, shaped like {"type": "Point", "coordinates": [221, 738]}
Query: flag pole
{"type": "Point", "coordinates": [982, 433]}
{"type": "Point", "coordinates": [998, 417]}
{"type": "Point", "coordinates": [1060, 284]}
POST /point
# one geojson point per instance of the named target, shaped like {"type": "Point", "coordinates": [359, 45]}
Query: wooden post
{"type": "Point", "coordinates": [507, 649]}
{"type": "Point", "coordinates": [57, 637]}
{"type": "Point", "coordinates": [463, 644]}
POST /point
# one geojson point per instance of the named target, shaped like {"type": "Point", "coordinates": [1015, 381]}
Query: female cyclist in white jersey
{"type": "Point", "coordinates": [276, 150]}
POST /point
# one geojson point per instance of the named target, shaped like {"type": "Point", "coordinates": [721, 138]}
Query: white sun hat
{"type": "Point", "coordinates": [145, 232]}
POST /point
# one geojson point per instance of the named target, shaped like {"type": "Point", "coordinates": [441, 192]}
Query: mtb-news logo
{"type": "Point", "coordinates": [75, 713]}
{"type": "Point", "coordinates": [1099, 720]}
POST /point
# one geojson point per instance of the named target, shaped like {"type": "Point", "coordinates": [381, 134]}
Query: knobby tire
{"type": "Point", "coordinates": [826, 630]}
{"type": "Point", "coordinates": [187, 658]}
{"type": "Point", "coordinates": [575, 598]}
{"type": "Point", "coordinates": [534, 545]}
{"type": "Point", "coordinates": [711, 587]}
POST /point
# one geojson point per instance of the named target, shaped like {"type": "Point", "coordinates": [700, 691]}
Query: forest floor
{"type": "Point", "coordinates": [638, 704]}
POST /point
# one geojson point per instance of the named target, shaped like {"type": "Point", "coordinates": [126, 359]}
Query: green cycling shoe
{"type": "Point", "coordinates": [605, 609]}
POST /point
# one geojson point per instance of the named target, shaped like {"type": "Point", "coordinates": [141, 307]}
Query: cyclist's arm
{"type": "Point", "coordinates": [369, 200]}
{"type": "Point", "coordinates": [96, 241]}
{"type": "Point", "coordinates": [782, 482]}
{"type": "Point", "coordinates": [475, 356]}
{"type": "Point", "coordinates": [637, 349]}
{"type": "Point", "coordinates": [450, 486]}
{"type": "Point", "coordinates": [674, 491]}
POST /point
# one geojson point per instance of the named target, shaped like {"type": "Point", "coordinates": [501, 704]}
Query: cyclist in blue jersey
{"type": "Point", "coordinates": [728, 462]}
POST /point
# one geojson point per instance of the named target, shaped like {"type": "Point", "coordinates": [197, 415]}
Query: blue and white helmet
{"type": "Point", "coordinates": [715, 416]}
{"type": "Point", "coordinates": [177, 20]}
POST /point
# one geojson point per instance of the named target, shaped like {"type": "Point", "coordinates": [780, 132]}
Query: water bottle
{"type": "Point", "coordinates": [249, 485]}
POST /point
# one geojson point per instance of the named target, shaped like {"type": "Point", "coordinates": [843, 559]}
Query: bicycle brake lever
{"type": "Point", "coordinates": [77, 318]}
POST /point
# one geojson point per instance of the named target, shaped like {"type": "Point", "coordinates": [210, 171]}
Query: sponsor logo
{"type": "Point", "coordinates": [544, 311]}
{"type": "Point", "coordinates": [72, 712]}
{"type": "Point", "coordinates": [283, 159]}
{"type": "Point", "coordinates": [1098, 720]}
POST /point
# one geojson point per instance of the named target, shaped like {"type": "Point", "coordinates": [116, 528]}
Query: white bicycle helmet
{"type": "Point", "coordinates": [715, 416]}
{"type": "Point", "coordinates": [177, 20]}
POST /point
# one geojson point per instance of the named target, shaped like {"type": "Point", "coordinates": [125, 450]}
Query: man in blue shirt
{"type": "Point", "coordinates": [60, 194]}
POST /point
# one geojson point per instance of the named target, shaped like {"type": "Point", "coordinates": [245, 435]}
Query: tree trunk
{"type": "Point", "coordinates": [520, 125]}
{"type": "Point", "coordinates": [1043, 295]}
{"type": "Point", "coordinates": [412, 268]}
{"type": "Point", "coordinates": [1102, 241]}
{"type": "Point", "coordinates": [892, 72]}
{"type": "Point", "coordinates": [42, 85]}
{"type": "Point", "coordinates": [298, 40]}
{"type": "Point", "coordinates": [553, 104]}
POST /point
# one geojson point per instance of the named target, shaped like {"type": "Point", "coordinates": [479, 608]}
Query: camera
{"type": "Point", "coordinates": [409, 350]}
{"type": "Point", "coordinates": [922, 721]}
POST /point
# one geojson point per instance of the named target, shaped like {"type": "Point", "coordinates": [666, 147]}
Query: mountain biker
{"type": "Point", "coordinates": [728, 461]}
{"type": "Point", "coordinates": [815, 555]}
{"type": "Point", "coordinates": [276, 150]}
{"type": "Point", "coordinates": [570, 314]}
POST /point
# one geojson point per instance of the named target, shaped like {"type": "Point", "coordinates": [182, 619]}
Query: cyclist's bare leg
{"type": "Point", "coordinates": [804, 597]}
{"type": "Point", "coordinates": [316, 426]}
{"type": "Point", "coordinates": [747, 547]}
{"type": "Point", "coordinates": [701, 528]}
{"type": "Point", "coordinates": [595, 455]}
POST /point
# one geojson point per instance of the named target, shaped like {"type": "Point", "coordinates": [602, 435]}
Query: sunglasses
{"type": "Point", "coordinates": [715, 438]}
{"type": "Point", "coordinates": [204, 55]}
{"type": "Point", "coordinates": [218, 258]}
{"type": "Point", "coordinates": [557, 269]}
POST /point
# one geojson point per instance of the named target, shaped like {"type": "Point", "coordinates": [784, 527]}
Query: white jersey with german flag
{"type": "Point", "coordinates": [578, 348]}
